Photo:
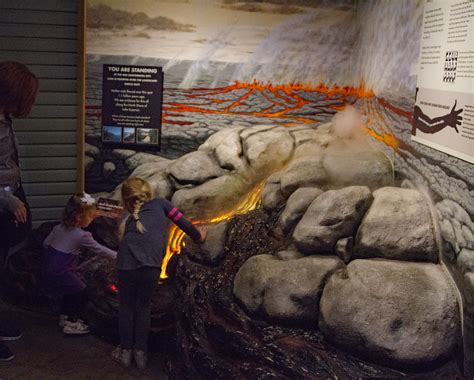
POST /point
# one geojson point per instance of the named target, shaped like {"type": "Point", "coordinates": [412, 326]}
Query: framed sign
{"type": "Point", "coordinates": [132, 99]}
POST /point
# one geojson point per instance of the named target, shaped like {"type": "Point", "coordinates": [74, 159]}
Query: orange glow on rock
{"type": "Point", "coordinates": [176, 235]}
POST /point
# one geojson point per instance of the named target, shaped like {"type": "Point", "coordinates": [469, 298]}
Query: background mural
{"type": "Point", "coordinates": [240, 64]}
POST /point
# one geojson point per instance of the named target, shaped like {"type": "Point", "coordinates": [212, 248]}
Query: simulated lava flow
{"type": "Point", "coordinates": [294, 103]}
{"type": "Point", "coordinates": [176, 235]}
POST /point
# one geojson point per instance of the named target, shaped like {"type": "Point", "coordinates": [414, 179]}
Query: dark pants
{"type": "Point", "coordinates": [71, 305]}
{"type": "Point", "coordinates": [11, 233]}
{"type": "Point", "coordinates": [135, 290]}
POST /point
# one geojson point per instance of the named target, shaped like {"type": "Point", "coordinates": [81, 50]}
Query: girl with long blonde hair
{"type": "Point", "coordinates": [139, 261]}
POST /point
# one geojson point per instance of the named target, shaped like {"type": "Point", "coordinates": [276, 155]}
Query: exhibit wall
{"type": "Point", "coordinates": [46, 36]}
{"type": "Point", "coordinates": [282, 70]}
{"type": "Point", "coordinates": [224, 65]}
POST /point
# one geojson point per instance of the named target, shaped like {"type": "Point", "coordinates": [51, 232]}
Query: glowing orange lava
{"type": "Point", "coordinates": [283, 100]}
{"type": "Point", "coordinates": [176, 235]}
{"type": "Point", "coordinates": [375, 118]}
{"type": "Point", "coordinates": [386, 138]}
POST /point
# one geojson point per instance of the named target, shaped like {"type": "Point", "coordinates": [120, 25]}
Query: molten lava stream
{"type": "Point", "coordinates": [374, 119]}
{"type": "Point", "coordinates": [176, 235]}
{"type": "Point", "coordinates": [283, 95]}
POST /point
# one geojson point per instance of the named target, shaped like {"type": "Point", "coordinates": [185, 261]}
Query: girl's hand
{"type": "Point", "coordinates": [203, 232]}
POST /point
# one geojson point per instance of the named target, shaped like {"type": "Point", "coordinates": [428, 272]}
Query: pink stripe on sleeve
{"type": "Point", "coordinates": [177, 217]}
{"type": "Point", "coordinates": [171, 213]}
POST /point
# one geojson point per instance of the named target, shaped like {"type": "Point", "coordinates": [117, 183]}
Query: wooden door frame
{"type": "Point", "coordinates": [81, 93]}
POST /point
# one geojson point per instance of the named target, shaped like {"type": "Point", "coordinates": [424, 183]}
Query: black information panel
{"type": "Point", "coordinates": [131, 105]}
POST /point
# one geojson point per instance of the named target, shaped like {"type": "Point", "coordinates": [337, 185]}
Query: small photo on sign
{"type": "Point", "coordinates": [129, 135]}
{"type": "Point", "coordinates": [147, 136]}
{"type": "Point", "coordinates": [112, 134]}
{"type": "Point", "coordinates": [450, 66]}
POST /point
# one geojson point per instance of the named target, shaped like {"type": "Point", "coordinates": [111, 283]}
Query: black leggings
{"type": "Point", "coordinates": [71, 305]}
{"type": "Point", "coordinates": [135, 290]}
{"type": "Point", "coordinates": [11, 233]}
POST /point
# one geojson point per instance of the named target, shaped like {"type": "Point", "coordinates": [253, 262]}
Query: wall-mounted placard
{"type": "Point", "coordinates": [443, 117]}
{"type": "Point", "coordinates": [131, 105]}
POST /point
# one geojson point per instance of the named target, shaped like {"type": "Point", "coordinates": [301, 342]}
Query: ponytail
{"type": "Point", "coordinates": [135, 192]}
{"type": "Point", "coordinates": [136, 216]}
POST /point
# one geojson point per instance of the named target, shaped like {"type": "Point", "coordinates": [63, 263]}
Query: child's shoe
{"type": "Point", "coordinates": [62, 320]}
{"type": "Point", "coordinates": [5, 353]}
{"type": "Point", "coordinates": [124, 357]}
{"type": "Point", "coordinates": [9, 332]}
{"type": "Point", "coordinates": [75, 328]}
{"type": "Point", "coordinates": [141, 358]}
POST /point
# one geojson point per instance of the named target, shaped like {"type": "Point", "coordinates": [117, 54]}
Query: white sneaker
{"type": "Point", "coordinates": [124, 357]}
{"type": "Point", "coordinates": [75, 328]}
{"type": "Point", "coordinates": [141, 359]}
{"type": "Point", "coordinates": [62, 320]}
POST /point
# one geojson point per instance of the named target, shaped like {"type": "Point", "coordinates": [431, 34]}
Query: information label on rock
{"type": "Point", "coordinates": [131, 105]}
{"type": "Point", "coordinates": [443, 117]}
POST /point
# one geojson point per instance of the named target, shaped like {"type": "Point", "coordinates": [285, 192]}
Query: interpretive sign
{"type": "Point", "coordinates": [131, 105]}
{"type": "Point", "coordinates": [443, 117]}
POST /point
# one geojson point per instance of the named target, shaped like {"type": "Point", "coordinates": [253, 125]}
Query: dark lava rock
{"type": "Point", "coordinates": [216, 339]}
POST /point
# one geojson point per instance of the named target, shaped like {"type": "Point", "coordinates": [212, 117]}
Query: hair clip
{"type": "Point", "coordinates": [87, 199]}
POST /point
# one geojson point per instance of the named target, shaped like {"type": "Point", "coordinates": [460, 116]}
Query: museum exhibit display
{"type": "Point", "coordinates": [327, 148]}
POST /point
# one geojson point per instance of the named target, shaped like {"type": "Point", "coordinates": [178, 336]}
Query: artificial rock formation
{"type": "Point", "coordinates": [402, 313]}
{"type": "Point", "coordinates": [247, 302]}
{"type": "Point", "coordinates": [398, 225]}
{"type": "Point", "coordinates": [327, 201]}
{"type": "Point", "coordinates": [333, 215]}
{"type": "Point", "coordinates": [285, 291]}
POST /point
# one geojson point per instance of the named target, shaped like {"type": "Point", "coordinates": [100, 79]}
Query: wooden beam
{"type": "Point", "coordinates": [81, 92]}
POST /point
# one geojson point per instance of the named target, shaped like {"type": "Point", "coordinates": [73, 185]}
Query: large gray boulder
{"type": "Point", "coordinates": [333, 215]}
{"type": "Point", "coordinates": [195, 168]}
{"type": "Point", "coordinates": [227, 148]}
{"type": "Point", "coordinates": [399, 226]}
{"type": "Point", "coordinates": [296, 206]}
{"type": "Point", "coordinates": [268, 150]}
{"type": "Point", "coordinates": [272, 196]}
{"type": "Point", "coordinates": [398, 313]}
{"type": "Point", "coordinates": [213, 198]}
{"type": "Point", "coordinates": [303, 172]}
{"type": "Point", "coordinates": [367, 168]}
{"type": "Point", "coordinates": [212, 250]}
{"type": "Point", "coordinates": [284, 290]}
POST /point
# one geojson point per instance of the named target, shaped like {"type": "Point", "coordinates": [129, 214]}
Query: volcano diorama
{"type": "Point", "coordinates": [286, 132]}
{"type": "Point", "coordinates": [317, 263]}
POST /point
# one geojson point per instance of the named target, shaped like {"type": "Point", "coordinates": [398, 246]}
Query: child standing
{"type": "Point", "coordinates": [60, 261]}
{"type": "Point", "coordinates": [139, 265]}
